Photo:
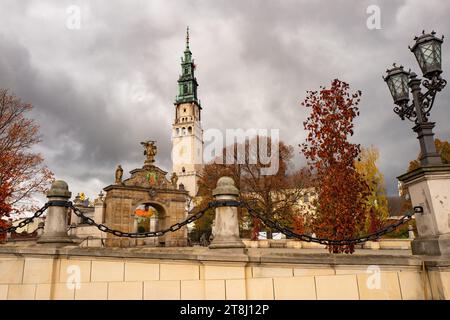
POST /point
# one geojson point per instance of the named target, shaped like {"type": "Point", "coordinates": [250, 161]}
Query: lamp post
{"type": "Point", "coordinates": [428, 185]}
{"type": "Point", "coordinates": [427, 51]}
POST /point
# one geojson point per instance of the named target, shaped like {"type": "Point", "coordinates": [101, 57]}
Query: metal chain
{"type": "Point", "coordinates": [149, 234]}
{"type": "Point", "coordinates": [304, 237]}
{"type": "Point", "coordinates": [214, 204]}
{"type": "Point", "coordinates": [26, 221]}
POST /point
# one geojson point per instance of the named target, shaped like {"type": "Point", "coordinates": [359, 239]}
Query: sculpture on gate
{"type": "Point", "coordinates": [149, 151]}
{"type": "Point", "coordinates": [174, 180]}
{"type": "Point", "coordinates": [119, 174]}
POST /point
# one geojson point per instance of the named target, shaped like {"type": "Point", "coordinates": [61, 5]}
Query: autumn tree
{"type": "Point", "coordinates": [341, 191]}
{"type": "Point", "coordinates": [275, 195]}
{"type": "Point", "coordinates": [22, 172]}
{"type": "Point", "coordinates": [5, 208]}
{"type": "Point", "coordinates": [442, 147]}
{"type": "Point", "coordinates": [377, 204]}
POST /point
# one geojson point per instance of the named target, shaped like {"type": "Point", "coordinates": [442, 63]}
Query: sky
{"type": "Point", "coordinates": [102, 86]}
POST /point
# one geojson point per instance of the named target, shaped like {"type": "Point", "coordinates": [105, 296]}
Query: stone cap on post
{"type": "Point", "coordinates": [225, 186]}
{"type": "Point", "coordinates": [55, 228]}
{"type": "Point", "coordinates": [59, 189]}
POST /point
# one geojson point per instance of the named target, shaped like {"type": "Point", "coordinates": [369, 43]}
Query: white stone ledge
{"type": "Point", "coordinates": [202, 254]}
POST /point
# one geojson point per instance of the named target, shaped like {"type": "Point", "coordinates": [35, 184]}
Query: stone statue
{"type": "Point", "coordinates": [174, 180]}
{"type": "Point", "coordinates": [149, 151]}
{"type": "Point", "coordinates": [119, 174]}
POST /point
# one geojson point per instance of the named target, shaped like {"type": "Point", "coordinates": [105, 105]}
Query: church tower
{"type": "Point", "coordinates": [187, 132]}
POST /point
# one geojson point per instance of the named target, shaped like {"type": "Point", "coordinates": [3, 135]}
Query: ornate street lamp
{"type": "Point", "coordinates": [427, 50]}
{"type": "Point", "coordinates": [397, 81]}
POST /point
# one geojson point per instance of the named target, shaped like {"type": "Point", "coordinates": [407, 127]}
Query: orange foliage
{"type": "Point", "coordinates": [256, 228]}
{"type": "Point", "coordinates": [276, 196]}
{"type": "Point", "coordinates": [5, 209]}
{"type": "Point", "coordinates": [342, 192]}
{"type": "Point", "coordinates": [22, 172]}
{"type": "Point", "coordinates": [299, 224]}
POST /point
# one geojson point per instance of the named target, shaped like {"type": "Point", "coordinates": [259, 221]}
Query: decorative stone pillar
{"type": "Point", "coordinates": [99, 209]}
{"type": "Point", "coordinates": [55, 229]}
{"type": "Point", "coordinates": [226, 221]}
{"type": "Point", "coordinates": [429, 187]}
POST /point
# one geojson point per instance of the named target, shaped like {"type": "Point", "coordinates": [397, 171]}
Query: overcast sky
{"type": "Point", "coordinates": [101, 89]}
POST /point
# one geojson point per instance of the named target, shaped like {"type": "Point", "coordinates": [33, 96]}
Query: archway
{"type": "Point", "coordinates": [149, 216]}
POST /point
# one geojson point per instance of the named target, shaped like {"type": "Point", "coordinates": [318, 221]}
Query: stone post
{"type": "Point", "coordinates": [411, 235]}
{"type": "Point", "coordinates": [429, 187]}
{"type": "Point", "coordinates": [99, 208]}
{"type": "Point", "coordinates": [55, 229]}
{"type": "Point", "coordinates": [226, 221]}
{"type": "Point", "coordinates": [40, 229]}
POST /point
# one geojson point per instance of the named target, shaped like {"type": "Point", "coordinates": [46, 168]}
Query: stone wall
{"type": "Point", "coordinates": [38, 272]}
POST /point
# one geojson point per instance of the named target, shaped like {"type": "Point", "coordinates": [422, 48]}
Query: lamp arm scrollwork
{"type": "Point", "coordinates": [436, 83]}
{"type": "Point", "coordinates": [433, 86]}
{"type": "Point", "coordinates": [426, 103]}
{"type": "Point", "coordinates": [406, 111]}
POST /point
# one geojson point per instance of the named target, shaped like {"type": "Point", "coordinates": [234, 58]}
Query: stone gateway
{"type": "Point", "coordinates": [147, 190]}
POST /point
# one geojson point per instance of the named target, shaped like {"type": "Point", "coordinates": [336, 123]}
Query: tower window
{"type": "Point", "coordinates": [185, 88]}
{"type": "Point", "coordinates": [189, 130]}
{"type": "Point", "coordinates": [183, 169]}
{"type": "Point", "coordinates": [184, 110]}
{"type": "Point", "coordinates": [178, 131]}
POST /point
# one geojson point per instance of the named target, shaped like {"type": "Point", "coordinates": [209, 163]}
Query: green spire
{"type": "Point", "coordinates": [187, 83]}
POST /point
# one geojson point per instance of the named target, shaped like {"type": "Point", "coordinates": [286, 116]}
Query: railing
{"type": "Point", "coordinates": [197, 214]}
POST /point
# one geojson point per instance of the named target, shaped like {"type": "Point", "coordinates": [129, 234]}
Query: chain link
{"type": "Point", "coordinates": [149, 234]}
{"type": "Point", "coordinates": [26, 221]}
{"type": "Point", "coordinates": [304, 237]}
{"type": "Point", "coordinates": [214, 204]}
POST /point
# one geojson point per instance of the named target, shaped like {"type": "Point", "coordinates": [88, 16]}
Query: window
{"type": "Point", "coordinates": [190, 130]}
{"type": "Point", "coordinates": [183, 170]}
